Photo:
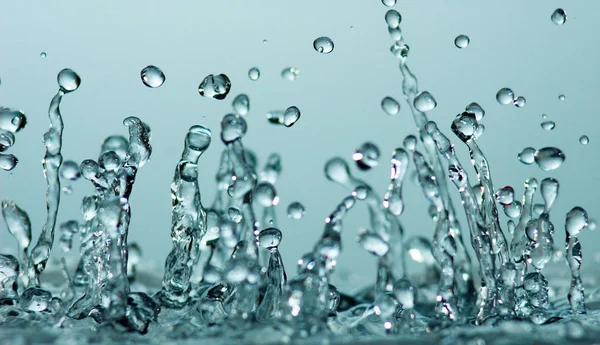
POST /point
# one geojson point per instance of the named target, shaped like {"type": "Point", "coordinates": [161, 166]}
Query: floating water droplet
{"type": "Point", "coordinates": [527, 155]}
{"type": "Point", "coordinates": [68, 80]}
{"type": "Point", "coordinates": [233, 127]}
{"type": "Point", "coordinates": [215, 86]}
{"type": "Point", "coordinates": [388, 3]}
{"type": "Point", "coordinates": [505, 96]}
{"type": "Point", "coordinates": [152, 76]}
{"type": "Point", "coordinates": [505, 195]}
{"type": "Point", "coordinates": [549, 158]}
{"type": "Point", "coordinates": [514, 209]}
{"type": "Point", "coordinates": [7, 140]}
{"type": "Point", "coordinates": [323, 45]}
{"type": "Point", "coordinates": [296, 210]}
{"type": "Point", "coordinates": [373, 243]}
{"type": "Point", "coordinates": [424, 102]}
{"type": "Point", "coordinates": [462, 41]}
{"type": "Point", "coordinates": [577, 220]}
{"type": "Point", "coordinates": [291, 116]}
{"type": "Point", "coordinates": [584, 140]}
{"type": "Point", "coordinates": [8, 161]}
{"type": "Point", "coordinates": [477, 110]}
{"type": "Point", "coordinates": [254, 73]}
{"type": "Point", "coordinates": [520, 102]}
{"type": "Point", "coordinates": [405, 292]}
{"type": "Point", "coordinates": [269, 238]}
{"type": "Point", "coordinates": [265, 194]}
{"type": "Point", "coordinates": [43, 54]}
{"type": "Point", "coordinates": [410, 143]}
{"type": "Point", "coordinates": [592, 224]}
{"type": "Point", "coordinates": [290, 73]}
{"type": "Point", "coordinates": [559, 17]}
{"type": "Point", "coordinates": [390, 106]}
{"type": "Point", "coordinates": [561, 97]}
{"type": "Point", "coordinates": [548, 125]}
{"type": "Point", "coordinates": [241, 104]}
{"type": "Point", "coordinates": [366, 156]}
{"type": "Point", "coordinates": [393, 19]}
{"type": "Point", "coordinates": [69, 170]}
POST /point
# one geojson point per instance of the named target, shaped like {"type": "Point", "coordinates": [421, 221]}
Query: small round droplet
{"type": "Point", "coordinates": [559, 17]}
{"type": "Point", "coordinates": [291, 116]}
{"type": "Point", "coordinates": [290, 73]}
{"type": "Point", "coordinates": [393, 19]}
{"type": "Point", "coordinates": [241, 104]}
{"type": "Point", "coordinates": [265, 194]}
{"type": "Point", "coordinates": [152, 76]}
{"type": "Point", "coordinates": [410, 143]}
{"type": "Point", "coordinates": [527, 155]}
{"type": "Point", "coordinates": [390, 106]}
{"type": "Point", "coordinates": [592, 224]}
{"type": "Point", "coordinates": [462, 41]}
{"type": "Point", "coordinates": [520, 102]}
{"type": "Point", "coordinates": [366, 156]}
{"type": "Point", "coordinates": [424, 102]}
{"type": "Point", "coordinates": [296, 210]}
{"type": "Point", "coordinates": [269, 238]}
{"type": "Point", "coordinates": [69, 170]}
{"type": "Point", "coordinates": [584, 140]}
{"type": "Point", "coordinates": [215, 86]}
{"type": "Point", "coordinates": [548, 125]}
{"type": "Point", "coordinates": [8, 161]}
{"type": "Point", "coordinates": [323, 45]}
{"type": "Point", "coordinates": [68, 80]}
{"type": "Point", "coordinates": [577, 220]}
{"type": "Point", "coordinates": [373, 243]}
{"type": "Point", "coordinates": [43, 55]}
{"type": "Point", "coordinates": [505, 195]}
{"type": "Point", "coordinates": [388, 3]}
{"type": "Point", "coordinates": [561, 97]}
{"type": "Point", "coordinates": [476, 109]}
{"type": "Point", "coordinates": [514, 209]}
{"type": "Point", "coordinates": [265, 41]}
{"type": "Point", "coordinates": [254, 73]}
{"type": "Point", "coordinates": [549, 158]}
{"type": "Point", "coordinates": [505, 96]}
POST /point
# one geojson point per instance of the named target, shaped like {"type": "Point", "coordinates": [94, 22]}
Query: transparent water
{"type": "Point", "coordinates": [486, 264]}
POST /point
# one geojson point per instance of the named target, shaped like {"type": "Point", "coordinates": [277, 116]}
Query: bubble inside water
{"type": "Point", "coordinates": [505, 96]}
{"type": "Point", "coordinates": [323, 45]}
{"type": "Point", "coordinates": [390, 106]}
{"type": "Point", "coordinates": [559, 17]}
{"type": "Point", "coordinates": [462, 41]}
{"type": "Point", "coordinates": [296, 210]}
{"type": "Point", "coordinates": [152, 76]}
{"type": "Point", "coordinates": [254, 73]}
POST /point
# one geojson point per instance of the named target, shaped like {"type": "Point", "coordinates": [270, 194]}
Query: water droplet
{"type": "Point", "coordinates": [296, 210]}
{"type": "Point", "coordinates": [215, 86]}
{"type": "Point", "coordinates": [254, 73]}
{"type": "Point", "coordinates": [410, 143]}
{"type": "Point", "coordinates": [592, 224]}
{"type": "Point", "coordinates": [505, 96]}
{"type": "Point", "coordinates": [7, 140]}
{"type": "Point", "coordinates": [390, 106]}
{"type": "Point", "coordinates": [559, 17]}
{"type": "Point", "coordinates": [561, 97]}
{"type": "Point", "coordinates": [549, 158]}
{"type": "Point", "coordinates": [366, 156]}
{"type": "Point", "coordinates": [269, 238]}
{"type": "Point", "coordinates": [476, 109]}
{"type": "Point", "coordinates": [405, 293]}
{"type": "Point", "coordinates": [323, 45]}
{"type": "Point", "coordinates": [505, 195]}
{"type": "Point", "coordinates": [43, 54]}
{"type": "Point", "coordinates": [520, 102]}
{"type": "Point", "coordinates": [290, 73]}
{"type": "Point", "coordinates": [265, 194]}
{"type": "Point", "coordinates": [544, 116]}
{"type": "Point", "coordinates": [8, 161]}
{"type": "Point", "coordinates": [152, 76]}
{"type": "Point", "coordinates": [373, 243]}
{"type": "Point", "coordinates": [233, 127]}
{"type": "Point", "coordinates": [514, 209]}
{"type": "Point", "coordinates": [68, 80]}
{"type": "Point", "coordinates": [584, 140]}
{"type": "Point", "coordinates": [549, 189]}
{"type": "Point", "coordinates": [462, 41]}
{"type": "Point", "coordinates": [69, 170]}
{"type": "Point", "coordinates": [35, 299]}
{"type": "Point", "coordinates": [548, 125]}
{"type": "Point", "coordinates": [577, 220]}
{"type": "Point", "coordinates": [388, 3]}
{"type": "Point", "coordinates": [527, 155]}
{"type": "Point", "coordinates": [393, 19]}
{"type": "Point", "coordinates": [419, 250]}
{"type": "Point", "coordinates": [241, 104]}
{"type": "Point", "coordinates": [291, 116]}
{"type": "Point", "coordinates": [424, 102]}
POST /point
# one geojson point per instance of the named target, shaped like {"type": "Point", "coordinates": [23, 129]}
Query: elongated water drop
{"type": "Point", "coordinates": [68, 80]}
{"type": "Point", "coordinates": [233, 127]}
{"type": "Point", "coordinates": [254, 73]}
{"type": "Point", "coordinates": [323, 45]}
{"type": "Point", "coordinates": [366, 156]}
{"type": "Point", "coordinates": [462, 41]}
{"type": "Point", "coordinates": [215, 86]}
{"type": "Point", "coordinates": [505, 96]}
{"type": "Point", "coordinates": [390, 106]}
{"type": "Point", "coordinates": [290, 73]}
{"type": "Point", "coordinates": [549, 189]}
{"type": "Point", "coordinates": [269, 238]}
{"type": "Point", "coordinates": [527, 155]}
{"type": "Point", "coordinates": [559, 16]}
{"type": "Point", "coordinates": [584, 140]}
{"type": "Point", "coordinates": [548, 125]}
{"type": "Point", "coordinates": [424, 102]}
{"type": "Point", "coordinates": [577, 220]}
{"type": "Point", "coordinates": [549, 158]}
{"type": "Point", "coordinates": [152, 76]}
{"type": "Point", "coordinates": [241, 104]}
{"type": "Point", "coordinates": [18, 223]}
{"type": "Point", "coordinates": [8, 161]}
{"type": "Point", "coordinates": [295, 210]}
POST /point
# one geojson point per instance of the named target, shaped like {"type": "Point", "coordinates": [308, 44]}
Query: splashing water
{"type": "Point", "coordinates": [224, 278]}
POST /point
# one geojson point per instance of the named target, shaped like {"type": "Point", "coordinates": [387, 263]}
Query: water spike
{"type": "Point", "coordinates": [577, 220]}
{"type": "Point", "coordinates": [392, 199]}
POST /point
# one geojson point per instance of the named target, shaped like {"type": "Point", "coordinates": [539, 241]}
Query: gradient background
{"type": "Point", "coordinates": [513, 44]}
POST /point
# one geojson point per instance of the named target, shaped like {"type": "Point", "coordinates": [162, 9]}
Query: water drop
{"type": "Point", "coordinates": [559, 17]}
{"type": "Point", "coordinates": [254, 73]}
{"type": "Point", "coordinates": [233, 127]}
{"type": "Point", "coordinates": [514, 209]}
{"type": "Point", "coordinates": [476, 109]}
{"type": "Point", "coordinates": [505, 195]}
{"type": "Point", "coordinates": [43, 54]}
{"type": "Point", "coordinates": [424, 102]}
{"type": "Point", "coordinates": [8, 161]}
{"type": "Point", "coordinates": [527, 155]}
{"type": "Point", "coordinates": [520, 102]}
{"type": "Point", "coordinates": [390, 106]}
{"type": "Point", "coordinates": [323, 45]}
{"type": "Point", "coordinates": [241, 104]}
{"type": "Point", "coordinates": [393, 19]}
{"type": "Point", "coordinates": [410, 143]}
{"type": "Point", "coordinates": [549, 158]}
{"type": "Point", "coordinates": [505, 96]}
{"type": "Point", "coordinates": [388, 3]}
{"type": "Point", "coordinates": [366, 156]}
{"type": "Point", "coordinates": [584, 140]}
{"type": "Point", "coordinates": [296, 210]}
{"type": "Point", "coordinates": [152, 76]}
{"type": "Point", "coordinates": [269, 238]}
{"type": "Point", "coordinates": [592, 224]}
{"type": "Point", "coordinates": [561, 97]}
{"type": "Point", "coordinates": [462, 41]}
{"type": "Point", "coordinates": [265, 194]}
{"type": "Point", "coordinates": [265, 41]}
{"type": "Point", "coordinates": [548, 125]}
{"type": "Point", "coordinates": [405, 293]}
{"type": "Point", "coordinates": [290, 73]}
{"type": "Point", "coordinates": [12, 120]}
{"type": "Point", "coordinates": [549, 189]}
{"type": "Point", "coordinates": [35, 299]}
{"type": "Point", "coordinates": [419, 250]}
{"type": "Point", "coordinates": [577, 220]}
{"type": "Point", "coordinates": [7, 140]}
{"type": "Point", "coordinates": [69, 170]}
{"type": "Point", "coordinates": [215, 86]}
{"type": "Point", "coordinates": [291, 116]}
{"type": "Point", "coordinates": [373, 243]}
{"type": "Point", "coordinates": [68, 80]}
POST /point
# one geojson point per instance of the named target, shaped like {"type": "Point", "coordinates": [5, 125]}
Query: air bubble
{"type": "Point", "coordinates": [152, 76]}
{"type": "Point", "coordinates": [390, 106]}
{"type": "Point", "coordinates": [323, 45]}
{"type": "Point", "coordinates": [296, 210]}
{"type": "Point", "coordinates": [462, 41]}
{"type": "Point", "coordinates": [254, 73]}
